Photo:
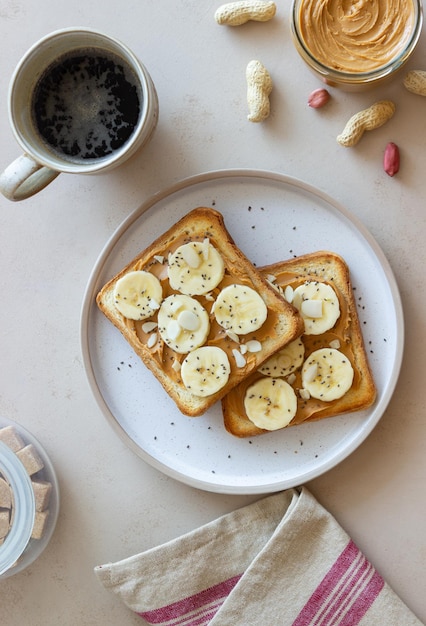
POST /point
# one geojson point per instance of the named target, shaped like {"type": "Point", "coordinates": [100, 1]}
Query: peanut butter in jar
{"type": "Point", "coordinates": [356, 43]}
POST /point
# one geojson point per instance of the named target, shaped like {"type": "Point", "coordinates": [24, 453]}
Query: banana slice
{"type": "Point", "coordinates": [319, 306]}
{"type": "Point", "coordinates": [240, 309]}
{"type": "Point", "coordinates": [270, 403]}
{"type": "Point", "coordinates": [285, 361]}
{"type": "Point", "coordinates": [195, 268]}
{"type": "Point", "coordinates": [205, 370]}
{"type": "Point", "coordinates": [327, 374]}
{"type": "Point", "coordinates": [138, 294]}
{"type": "Point", "coordinates": [183, 323]}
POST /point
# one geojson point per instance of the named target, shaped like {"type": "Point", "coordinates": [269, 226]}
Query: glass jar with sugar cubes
{"type": "Point", "coordinates": [29, 498]}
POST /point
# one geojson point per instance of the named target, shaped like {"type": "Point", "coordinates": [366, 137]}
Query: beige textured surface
{"type": "Point", "coordinates": [113, 504]}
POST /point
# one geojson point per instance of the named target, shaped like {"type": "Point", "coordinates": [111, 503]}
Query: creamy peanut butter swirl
{"type": "Point", "coordinates": [356, 35]}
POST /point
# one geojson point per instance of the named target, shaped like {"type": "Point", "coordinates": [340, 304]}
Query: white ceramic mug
{"type": "Point", "coordinates": [50, 127]}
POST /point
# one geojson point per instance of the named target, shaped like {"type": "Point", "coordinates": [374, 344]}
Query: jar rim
{"type": "Point", "coordinates": [23, 508]}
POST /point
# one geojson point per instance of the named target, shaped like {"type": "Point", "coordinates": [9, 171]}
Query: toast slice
{"type": "Point", "coordinates": [173, 360]}
{"type": "Point", "coordinates": [345, 335]}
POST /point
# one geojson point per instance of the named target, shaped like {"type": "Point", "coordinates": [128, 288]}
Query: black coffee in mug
{"type": "Point", "coordinates": [86, 105]}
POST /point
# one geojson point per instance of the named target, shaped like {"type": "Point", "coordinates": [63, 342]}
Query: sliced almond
{"type": "Point", "coordinates": [206, 246]}
{"type": "Point", "coordinates": [176, 365]}
{"type": "Point", "coordinates": [188, 320]}
{"type": "Point", "coordinates": [312, 308]}
{"type": "Point", "coordinates": [233, 336]}
{"type": "Point", "coordinates": [289, 293]}
{"type": "Point", "coordinates": [191, 257]}
{"type": "Point", "coordinates": [149, 327]}
{"type": "Point", "coordinates": [254, 345]}
{"type": "Point", "coordinates": [239, 359]}
{"type": "Point", "coordinates": [152, 340]}
{"type": "Point", "coordinates": [173, 329]}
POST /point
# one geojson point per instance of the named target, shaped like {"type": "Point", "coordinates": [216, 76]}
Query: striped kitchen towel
{"type": "Point", "coordinates": [283, 560]}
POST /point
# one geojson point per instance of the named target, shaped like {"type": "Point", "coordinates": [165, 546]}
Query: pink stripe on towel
{"type": "Point", "coordinates": [196, 610]}
{"type": "Point", "coordinates": [345, 594]}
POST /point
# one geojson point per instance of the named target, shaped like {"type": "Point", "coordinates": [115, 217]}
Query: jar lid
{"type": "Point", "coordinates": [23, 513]}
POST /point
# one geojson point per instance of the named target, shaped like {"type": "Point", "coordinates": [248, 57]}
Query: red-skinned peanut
{"type": "Point", "coordinates": [391, 159]}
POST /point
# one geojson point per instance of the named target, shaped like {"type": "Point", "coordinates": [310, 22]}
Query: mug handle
{"type": "Point", "coordinates": [25, 177]}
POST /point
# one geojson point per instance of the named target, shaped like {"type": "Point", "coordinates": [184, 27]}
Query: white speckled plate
{"type": "Point", "coordinates": [271, 217]}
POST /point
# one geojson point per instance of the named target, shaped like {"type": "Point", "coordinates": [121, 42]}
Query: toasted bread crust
{"type": "Point", "coordinates": [286, 324]}
{"type": "Point", "coordinates": [331, 268]}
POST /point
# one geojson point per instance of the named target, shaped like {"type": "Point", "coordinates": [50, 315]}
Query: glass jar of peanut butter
{"type": "Point", "coordinates": [355, 44]}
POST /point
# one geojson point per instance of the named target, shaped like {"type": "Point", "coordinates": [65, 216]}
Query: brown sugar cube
{"type": "Point", "coordinates": [30, 459]}
{"type": "Point", "coordinates": [42, 490]}
{"type": "Point", "coordinates": [4, 522]}
{"type": "Point", "coordinates": [11, 438]}
{"type": "Point", "coordinates": [40, 522]}
{"type": "Point", "coordinates": [5, 494]}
